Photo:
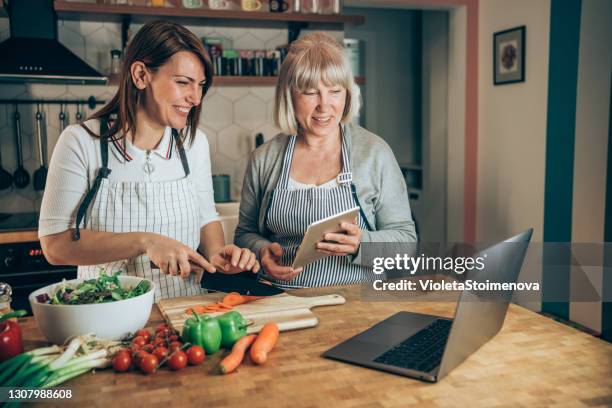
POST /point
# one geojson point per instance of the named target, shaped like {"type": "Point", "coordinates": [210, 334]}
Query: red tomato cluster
{"type": "Point", "coordinates": [147, 353]}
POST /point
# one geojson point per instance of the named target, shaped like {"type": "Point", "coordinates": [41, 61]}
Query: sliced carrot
{"type": "Point", "coordinates": [235, 299]}
{"type": "Point", "coordinates": [266, 340]}
{"type": "Point", "coordinates": [235, 357]}
{"type": "Point", "coordinates": [227, 303]}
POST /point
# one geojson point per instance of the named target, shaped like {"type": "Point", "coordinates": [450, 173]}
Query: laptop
{"type": "Point", "coordinates": [428, 347]}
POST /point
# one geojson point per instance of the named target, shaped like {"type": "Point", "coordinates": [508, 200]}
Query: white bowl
{"type": "Point", "coordinates": [112, 320]}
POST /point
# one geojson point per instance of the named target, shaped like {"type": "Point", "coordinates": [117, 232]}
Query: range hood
{"type": "Point", "coordinates": [33, 54]}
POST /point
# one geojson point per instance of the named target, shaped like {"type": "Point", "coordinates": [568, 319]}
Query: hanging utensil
{"type": "Point", "coordinates": [63, 118]}
{"type": "Point", "coordinates": [79, 114]}
{"type": "Point", "coordinates": [6, 179]}
{"type": "Point", "coordinates": [40, 175]}
{"type": "Point", "coordinates": [21, 178]}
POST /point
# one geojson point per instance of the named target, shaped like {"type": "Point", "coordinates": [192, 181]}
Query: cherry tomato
{"type": "Point", "coordinates": [138, 357]}
{"type": "Point", "coordinates": [148, 348]}
{"type": "Point", "coordinates": [195, 355]}
{"type": "Point", "coordinates": [124, 351]}
{"type": "Point", "coordinates": [175, 345]}
{"type": "Point", "coordinates": [172, 338]}
{"type": "Point", "coordinates": [144, 333]}
{"type": "Point", "coordinates": [159, 342]}
{"type": "Point", "coordinates": [177, 361]}
{"type": "Point", "coordinates": [139, 341]}
{"type": "Point", "coordinates": [148, 364]}
{"type": "Point", "coordinates": [161, 353]}
{"type": "Point", "coordinates": [122, 362]}
{"type": "Point", "coordinates": [161, 327]}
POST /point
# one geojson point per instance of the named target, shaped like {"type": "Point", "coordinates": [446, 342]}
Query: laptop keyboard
{"type": "Point", "coordinates": [422, 351]}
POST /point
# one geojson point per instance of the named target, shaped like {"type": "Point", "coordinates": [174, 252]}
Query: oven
{"type": "Point", "coordinates": [22, 263]}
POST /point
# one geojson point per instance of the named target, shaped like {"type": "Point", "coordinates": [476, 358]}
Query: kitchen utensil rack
{"type": "Point", "coordinates": [91, 102]}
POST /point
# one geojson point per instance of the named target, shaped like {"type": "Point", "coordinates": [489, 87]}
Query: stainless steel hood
{"type": "Point", "coordinates": [33, 54]}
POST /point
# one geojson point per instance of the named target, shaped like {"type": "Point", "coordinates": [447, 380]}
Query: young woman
{"type": "Point", "coordinates": [130, 188]}
{"type": "Point", "coordinates": [320, 166]}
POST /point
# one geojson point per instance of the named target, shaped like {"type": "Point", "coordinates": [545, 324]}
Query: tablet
{"type": "Point", "coordinates": [307, 252]}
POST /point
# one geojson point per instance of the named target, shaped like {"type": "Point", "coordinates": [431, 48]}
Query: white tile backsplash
{"type": "Point", "coordinates": [231, 117]}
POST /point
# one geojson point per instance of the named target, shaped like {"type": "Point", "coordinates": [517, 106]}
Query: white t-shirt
{"type": "Point", "coordinates": [296, 185]}
{"type": "Point", "coordinates": [76, 160]}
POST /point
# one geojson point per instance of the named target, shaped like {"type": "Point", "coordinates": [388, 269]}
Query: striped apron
{"type": "Point", "coordinates": [168, 208]}
{"type": "Point", "coordinates": [291, 211]}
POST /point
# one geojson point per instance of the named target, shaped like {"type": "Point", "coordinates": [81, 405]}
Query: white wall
{"type": "Point", "coordinates": [512, 131]}
{"type": "Point", "coordinates": [512, 125]}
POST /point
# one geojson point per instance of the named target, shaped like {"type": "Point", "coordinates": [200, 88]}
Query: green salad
{"type": "Point", "coordinates": [106, 288]}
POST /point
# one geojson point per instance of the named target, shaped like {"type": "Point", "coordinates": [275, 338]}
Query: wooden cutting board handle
{"type": "Point", "coordinates": [326, 300]}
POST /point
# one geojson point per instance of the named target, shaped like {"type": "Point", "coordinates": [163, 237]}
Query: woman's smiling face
{"type": "Point", "coordinates": [319, 110]}
{"type": "Point", "coordinates": [175, 88]}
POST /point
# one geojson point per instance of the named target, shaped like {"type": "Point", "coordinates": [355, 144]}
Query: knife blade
{"type": "Point", "coordinates": [220, 282]}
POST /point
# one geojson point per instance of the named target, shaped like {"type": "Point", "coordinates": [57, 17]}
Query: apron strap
{"type": "Point", "coordinates": [181, 152]}
{"type": "Point", "coordinates": [356, 199]}
{"type": "Point", "coordinates": [103, 173]}
{"type": "Point", "coordinates": [284, 177]}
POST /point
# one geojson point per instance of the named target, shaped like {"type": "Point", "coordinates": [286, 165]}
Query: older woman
{"type": "Point", "coordinates": [320, 166]}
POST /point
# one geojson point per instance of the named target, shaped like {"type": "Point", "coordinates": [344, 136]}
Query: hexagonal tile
{"type": "Point", "coordinates": [211, 136]}
{"type": "Point", "coordinates": [250, 112]}
{"type": "Point", "coordinates": [221, 164]}
{"type": "Point", "coordinates": [233, 93]}
{"type": "Point", "coordinates": [201, 31]}
{"type": "Point", "coordinates": [265, 34]}
{"type": "Point", "coordinates": [46, 91]}
{"type": "Point", "coordinates": [73, 41]}
{"type": "Point", "coordinates": [265, 93]}
{"type": "Point", "coordinates": [279, 40]}
{"type": "Point", "coordinates": [10, 91]}
{"type": "Point", "coordinates": [268, 130]}
{"type": "Point", "coordinates": [235, 142]}
{"type": "Point", "coordinates": [270, 111]}
{"type": "Point", "coordinates": [218, 113]}
{"type": "Point", "coordinates": [15, 202]}
{"type": "Point", "coordinates": [98, 45]}
{"type": "Point", "coordinates": [248, 42]}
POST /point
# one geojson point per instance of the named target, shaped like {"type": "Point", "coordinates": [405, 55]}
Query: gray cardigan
{"type": "Point", "coordinates": [381, 190]}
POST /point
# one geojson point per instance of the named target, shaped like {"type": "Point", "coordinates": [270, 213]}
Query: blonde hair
{"type": "Point", "coordinates": [313, 58]}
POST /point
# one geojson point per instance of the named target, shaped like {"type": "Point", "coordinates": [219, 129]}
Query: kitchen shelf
{"type": "Point", "coordinates": [109, 12]}
{"type": "Point", "coordinates": [251, 81]}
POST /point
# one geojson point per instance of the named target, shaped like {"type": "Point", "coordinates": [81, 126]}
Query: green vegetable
{"type": "Point", "coordinates": [203, 331]}
{"type": "Point", "coordinates": [233, 328]}
{"type": "Point", "coordinates": [50, 366]}
{"type": "Point", "coordinates": [106, 288]}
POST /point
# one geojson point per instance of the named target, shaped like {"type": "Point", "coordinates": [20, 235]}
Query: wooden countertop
{"type": "Point", "coordinates": [533, 361]}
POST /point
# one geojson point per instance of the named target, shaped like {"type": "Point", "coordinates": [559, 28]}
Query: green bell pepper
{"type": "Point", "coordinates": [203, 331]}
{"type": "Point", "coordinates": [233, 328]}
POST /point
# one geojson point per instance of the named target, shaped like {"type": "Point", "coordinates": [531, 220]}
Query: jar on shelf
{"type": "Point", "coordinates": [115, 68]}
{"type": "Point", "coordinates": [192, 4]}
{"type": "Point", "coordinates": [5, 298]}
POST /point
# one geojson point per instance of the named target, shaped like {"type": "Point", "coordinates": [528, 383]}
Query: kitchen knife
{"type": "Point", "coordinates": [220, 282]}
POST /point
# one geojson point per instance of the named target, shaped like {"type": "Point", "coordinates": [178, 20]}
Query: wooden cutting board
{"type": "Point", "coordinates": [287, 311]}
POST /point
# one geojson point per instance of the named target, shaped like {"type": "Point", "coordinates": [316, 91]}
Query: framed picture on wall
{"type": "Point", "coordinates": [509, 56]}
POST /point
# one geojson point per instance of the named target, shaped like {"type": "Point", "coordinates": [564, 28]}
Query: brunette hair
{"type": "Point", "coordinates": [154, 44]}
{"type": "Point", "coordinates": [313, 58]}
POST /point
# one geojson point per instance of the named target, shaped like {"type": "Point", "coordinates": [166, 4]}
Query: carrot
{"type": "Point", "coordinates": [235, 299]}
{"type": "Point", "coordinates": [266, 340]}
{"type": "Point", "coordinates": [235, 357]}
{"type": "Point", "coordinates": [227, 303]}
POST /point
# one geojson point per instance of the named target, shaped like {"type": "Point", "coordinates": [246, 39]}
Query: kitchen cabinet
{"type": "Point", "coordinates": [533, 361]}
